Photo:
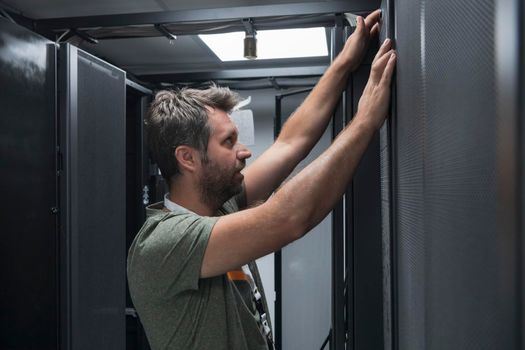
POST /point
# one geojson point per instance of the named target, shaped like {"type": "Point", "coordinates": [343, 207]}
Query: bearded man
{"type": "Point", "coordinates": [190, 269]}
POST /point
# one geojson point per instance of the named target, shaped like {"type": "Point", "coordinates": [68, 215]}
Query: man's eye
{"type": "Point", "coordinates": [229, 141]}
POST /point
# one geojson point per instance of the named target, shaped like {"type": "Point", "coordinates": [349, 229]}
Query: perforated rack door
{"type": "Point", "coordinates": [457, 258]}
{"type": "Point", "coordinates": [28, 252]}
{"type": "Point", "coordinates": [93, 143]}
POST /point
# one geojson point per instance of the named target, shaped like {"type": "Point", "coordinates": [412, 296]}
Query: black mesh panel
{"type": "Point", "coordinates": [409, 220]}
{"type": "Point", "coordinates": [456, 269]}
{"type": "Point", "coordinates": [97, 193]}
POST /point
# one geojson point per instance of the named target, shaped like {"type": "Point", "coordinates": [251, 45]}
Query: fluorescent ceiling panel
{"type": "Point", "coordinates": [271, 44]}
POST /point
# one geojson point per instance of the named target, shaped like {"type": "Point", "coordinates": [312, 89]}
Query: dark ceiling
{"type": "Point", "coordinates": [127, 36]}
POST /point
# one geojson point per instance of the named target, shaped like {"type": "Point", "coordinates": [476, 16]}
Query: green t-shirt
{"type": "Point", "coordinates": [180, 310]}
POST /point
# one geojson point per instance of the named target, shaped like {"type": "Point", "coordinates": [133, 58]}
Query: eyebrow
{"type": "Point", "coordinates": [231, 132]}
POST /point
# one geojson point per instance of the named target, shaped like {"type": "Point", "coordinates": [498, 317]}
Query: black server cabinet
{"type": "Point", "coordinates": [93, 201]}
{"type": "Point", "coordinates": [457, 176]}
{"type": "Point", "coordinates": [28, 252]}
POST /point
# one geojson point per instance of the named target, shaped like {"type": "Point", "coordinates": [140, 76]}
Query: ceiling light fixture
{"type": "Point", "coordinates": [271, 44]}
{"type": "Point", "coordinates": [250, 39]}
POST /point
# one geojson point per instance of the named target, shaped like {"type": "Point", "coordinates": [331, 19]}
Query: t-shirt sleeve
{"type": "Point", "coordinates": [173, 253]}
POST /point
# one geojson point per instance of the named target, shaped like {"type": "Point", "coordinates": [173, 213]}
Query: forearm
{"type": "Point", "coordinates": [306, 125]}
{"type": "Point", "coordinates": [310, 195]}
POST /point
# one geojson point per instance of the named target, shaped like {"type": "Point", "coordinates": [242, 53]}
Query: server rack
{"type": "Point", "coordinates": [29, 309]}
{"type": "Point", "coordinates": [64, 159]}
{"type": "Point", "coordinates": [92, 148]}
{"type": "Point", "coordinates": [456, 180]}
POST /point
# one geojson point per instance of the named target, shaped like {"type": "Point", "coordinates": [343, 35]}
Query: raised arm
{"type": "Point", "coordinates": [307, 198]}
{"type": "Point", "coordinates": [304, 128]}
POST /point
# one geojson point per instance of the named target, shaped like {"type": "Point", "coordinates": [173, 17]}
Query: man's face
{"type": "Point", "coordinates": [221, 176]}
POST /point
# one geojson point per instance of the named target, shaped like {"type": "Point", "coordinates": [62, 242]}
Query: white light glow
{"type": "Point", "coordinates": [271, 44]}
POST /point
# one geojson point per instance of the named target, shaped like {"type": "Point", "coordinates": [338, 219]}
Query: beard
{"type": "Point", "coordinates": [218, 184]}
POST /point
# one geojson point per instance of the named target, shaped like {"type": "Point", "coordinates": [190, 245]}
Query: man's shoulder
{"type": "Point", "coordinates": [161, 224]}
{"type": "Point", "coordinates": [164, 230]}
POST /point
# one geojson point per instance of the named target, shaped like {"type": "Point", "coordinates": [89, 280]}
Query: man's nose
{"type": "Point", "coordinates": [243, 152]}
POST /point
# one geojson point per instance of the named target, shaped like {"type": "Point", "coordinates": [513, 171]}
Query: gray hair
{"type": "Point", "coordinates": [180, 117]}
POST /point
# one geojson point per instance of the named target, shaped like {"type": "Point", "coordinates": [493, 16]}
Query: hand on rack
{"type": "Point", "coordinates": [374, 103]}
{"type": "Point", "coordinates": [357, 44]}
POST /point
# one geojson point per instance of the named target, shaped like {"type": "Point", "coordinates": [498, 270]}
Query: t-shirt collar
{"type": "Point", "coordinates": [172, 206]}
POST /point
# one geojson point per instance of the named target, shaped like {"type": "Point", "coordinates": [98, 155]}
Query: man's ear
{"type": "Point", "coordinates": [187, 157]}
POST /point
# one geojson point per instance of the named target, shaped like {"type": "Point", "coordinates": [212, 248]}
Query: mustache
{"type": "Point", "coordinates": [243, 165]}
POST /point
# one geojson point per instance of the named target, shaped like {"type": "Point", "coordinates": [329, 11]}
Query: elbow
{"type": "Point", "coordinates": [296, 226]}
{"type": "Point", "coordinates": [291, 221]}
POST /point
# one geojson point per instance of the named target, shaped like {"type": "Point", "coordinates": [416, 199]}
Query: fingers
{"type": "Point", "coordinates": [360, 24]}
{"type": "Point", "coordinates": [389, 70]}
{"type": "Point", "coordinates": [375, 29]}
{"type": "Point", "coordinates": [372, 19]}
{"type": "Point", "coordinates": [385, 47]}
{"type": "Point", "coordinates": [370, 23]}
{"type": "Point", "coordinates": [378, 67]}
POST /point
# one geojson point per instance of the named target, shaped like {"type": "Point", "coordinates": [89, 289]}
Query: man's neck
{"type": "Point", "coordinates": [188, 196]}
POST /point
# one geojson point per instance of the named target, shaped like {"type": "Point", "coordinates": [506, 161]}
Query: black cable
{"type": "Point", "coordinates": [327, 339]}
{"type": "Point", "coordinates": [6, 15]}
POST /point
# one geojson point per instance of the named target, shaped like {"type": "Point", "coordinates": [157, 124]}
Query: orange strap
{"type": "Point", "coordinates": [237, 275]}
